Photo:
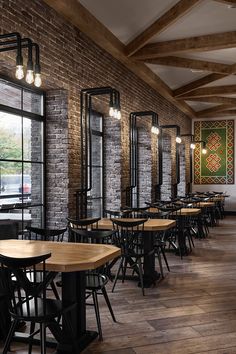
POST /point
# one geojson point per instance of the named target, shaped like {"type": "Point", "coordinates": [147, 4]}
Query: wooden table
{"type": "Point", "coordinates": [151, 226]}
{"type": "Point", "coordinates": [182, 214]}
{"type": "Point", "coordinates": [182, 211]}
{"type": "Point", "coordinates": [72, 260]}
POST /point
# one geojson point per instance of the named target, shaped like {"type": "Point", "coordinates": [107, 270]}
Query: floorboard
{"type": "Point", "coordinates": [191, 311]}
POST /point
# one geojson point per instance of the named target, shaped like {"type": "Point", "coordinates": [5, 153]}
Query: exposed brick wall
{"type": "Point", "coordinates": [57, 158]}
{"type": "Point", "coordinates": [144, 160]}
{"type": "Point", "coordinates": [182, 165]}
{"type": "Point", "coordinates": [70, 61]}
{"type": "Point", "coordinates": [166, 191]}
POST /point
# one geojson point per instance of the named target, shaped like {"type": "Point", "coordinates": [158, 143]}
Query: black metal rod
{"type": "Point", "coordinates": [160, 158]}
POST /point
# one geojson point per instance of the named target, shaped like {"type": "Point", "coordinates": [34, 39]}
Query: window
{"type": "Point", "coordinates": [21, 153]}
{"type": "Point", "coordinates": [95, 165]}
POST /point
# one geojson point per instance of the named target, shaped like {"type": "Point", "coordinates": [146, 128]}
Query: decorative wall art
{"type": "Point", "coordinates": [217, 165]}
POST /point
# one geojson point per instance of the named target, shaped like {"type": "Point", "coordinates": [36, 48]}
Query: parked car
{"type": "Point", "coordinates": [12, 184]}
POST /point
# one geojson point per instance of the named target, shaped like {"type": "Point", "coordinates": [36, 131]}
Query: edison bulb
{"type": "Point", "coordinates": [111, 112]}
{"type": "Point", "coordinates": [204, 151]}
{"type": "Point", "coordinates": [19, 72]}
{"type": "Point", "coordinates": [155, 130]}
{"type": "Point", "coordinates": [178, 139]}
{"type": "Point", "coordinates": [192, 146]}
{"type": "Point", "coordinates": [29, 76]}
{"type": "Point", "coordinates": [118, 116]}
{"type": "Point", "coordinates": [37, 80]}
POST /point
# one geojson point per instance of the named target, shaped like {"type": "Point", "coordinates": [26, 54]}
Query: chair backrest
{"type": "Point", "coordinates": [134, 212]}
{"type": "Point", "coordinates": [24, 291]}
{"type": "Point", "coordinates": [35, 233]}
{"type": "Point", "coordinates": [112, 213]}
{"type": "Point", "coordinates": [80, 224]}
{"type": "Point", "coordinates": [127, 232]}
{"type": "Point", "coordinates": [91, 236]}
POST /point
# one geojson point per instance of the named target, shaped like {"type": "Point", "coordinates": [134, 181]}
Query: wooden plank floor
{"type": "Point", "coordinates": [193, 310]}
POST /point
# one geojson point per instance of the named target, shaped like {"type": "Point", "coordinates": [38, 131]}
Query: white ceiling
{"type": "Point", "coordinates": [127, 18]}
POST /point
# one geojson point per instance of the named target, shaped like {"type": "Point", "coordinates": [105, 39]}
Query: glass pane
{"type": "Point", "coordinates": [10, 181]}
{"type": "Point", "coordinates": [95, 208]}
{"type": "Point", "coordinates": [32, 102]}
{"type": "Point", "coordinates": [10, 95]}
{"type": "Point", "coordinates": [10, 136]}
{"type": "Point", "coordinates": [96, 122]}
{"type": "Point", "coordinates": [96, 150]}
{"type": "Point", "coordinates": [96, 182]}
{"type": "Point", "coordinates": [32, 139]}
{"type": "Point", "coordinates": [32, 182]}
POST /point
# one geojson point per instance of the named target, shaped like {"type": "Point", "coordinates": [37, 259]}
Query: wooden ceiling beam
{"type": "Point", "coordinates": [228, 2]}
{"type": "Point", "coordinates": [227, 113]}
{"type": "Point", "coordinates": [184, 90]}
{"type": "Point", "coordinates": [171, 16]}
{"type": "Point", "coordinates": [203, 81]}
{"type": "Point", "coordinates": [201, 43]}
{"type": "Point", "coordinates": [187, 63]}
{"type": "Point", "coordinates": [210, 91]}
{"type": "Point", "coordinates": [219, 108]}
{"type": "Point", "coordinates": [214, 99]}
{"type": "Point", "coordinates": [81, 18]}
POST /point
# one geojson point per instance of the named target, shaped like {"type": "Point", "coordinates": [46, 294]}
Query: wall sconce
{"type": "Point", "coordinates": [86, 96]}
{"type": "Point", "coordinates": [204, 149]}
{"type": "Point", "coordinates": [13, 41]}
{"type": "Point", "coordinates": [134, 152]}
{"type": "Point", "coordinates": [177, 128]}
{"type": "Point", "coordinates": [114, 110]}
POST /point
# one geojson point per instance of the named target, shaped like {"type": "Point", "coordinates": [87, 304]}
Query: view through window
{"type": "Point", "coordinates": [21, 155]}
{"type": "Point", "coordinates": [95, 194]}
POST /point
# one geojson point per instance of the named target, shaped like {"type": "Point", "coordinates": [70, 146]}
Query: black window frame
{"type": "Point", "coordinates": [33, 116]}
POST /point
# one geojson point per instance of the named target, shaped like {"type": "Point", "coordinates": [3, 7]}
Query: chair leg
{"type": "Point", "coordinates": [124, 270]}
{"type": "Point", "coordinates": [9, 337]}
{"type": "Point", "coordinates": [54, 289]}
{"type": "Point", "coordinates": [160, 261]}
{"type": "Point", "coordinates": [140, 274]}
{"type": "Point", "coordinates": [108, 303]}
{"type": "Point", "coordinates": [32, 329]}
{"type": "Point", "coordinates": [43, 338]}
{"type": "Point", "coordinates": [117, 273]}
{"type": "Point", "coordinates": [96, 307]}
{"type": "Point", "coordinates": [165, 259]}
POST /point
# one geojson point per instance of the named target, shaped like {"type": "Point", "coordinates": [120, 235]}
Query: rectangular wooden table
{"type": "Point", "coordinates": [72, 260]}
{"type": "Point", "coordinates": [151, 226]}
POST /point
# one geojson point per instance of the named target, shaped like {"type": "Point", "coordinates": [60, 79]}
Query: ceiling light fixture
{"type": "Point", "coordinates": [14, 41]}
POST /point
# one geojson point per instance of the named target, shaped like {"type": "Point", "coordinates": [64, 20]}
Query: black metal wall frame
{"type": "Point", "coordinates": [33, 116]}
{"type": "Point", "coordinates": [134, 183]}
{"type": "Point", "coordinates": [85, 136]}
{"type": "Point", "coordinates": [190, 159]}
{"type": "Point", "coordinates": [177, 164]}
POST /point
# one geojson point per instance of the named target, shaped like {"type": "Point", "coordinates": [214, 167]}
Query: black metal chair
{"type": "Point", "coordinates": [28, 301]}
{"type": "Point", "coordinates": [39, 234]}
{"type": "Point", "coordinates": [129, 238]}
{"type": "Point", "coordinates": [95, 280]}
{"type": "Point", "coordinates": [160, 239]}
